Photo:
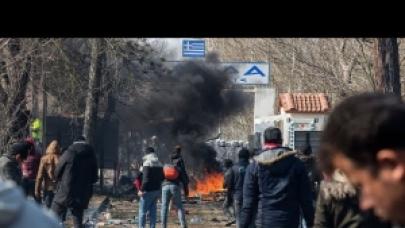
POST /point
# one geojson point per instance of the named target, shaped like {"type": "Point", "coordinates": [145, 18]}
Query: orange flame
{"type": "Point", "coordinates": [212, 182]}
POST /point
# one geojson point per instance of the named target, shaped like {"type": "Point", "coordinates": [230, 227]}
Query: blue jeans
{"type": "Point", "coordinates": [147, 204]}
{"type": "Point", "coordinates": [172, 191]}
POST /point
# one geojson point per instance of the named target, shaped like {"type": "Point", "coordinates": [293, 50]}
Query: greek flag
{"type": "Point", "coordinates": [193, 48]}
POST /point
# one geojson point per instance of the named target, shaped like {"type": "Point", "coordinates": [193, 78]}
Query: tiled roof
{"type": "Point", "coordinates": [304, 102]}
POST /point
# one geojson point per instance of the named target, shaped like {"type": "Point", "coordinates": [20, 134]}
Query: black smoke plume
{"type": "Point", "coordinates": [185, 107]}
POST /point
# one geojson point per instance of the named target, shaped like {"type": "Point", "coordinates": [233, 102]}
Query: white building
{"type": "Point", "coordinates": [301, 117]}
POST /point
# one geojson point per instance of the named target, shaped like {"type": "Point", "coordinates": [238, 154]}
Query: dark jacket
{"type": "Point", "coordinates": [228, 180]}
{"type": "Point", "coordinates": [76, 172]}
{"type": "Point", "coordinates": [276, 188]}
{"type": "Point", "coordinates": [178, 162]}
{"type": "Point", "coordinates": [338, 207]}
{"type": "Point", "coordinates": [239, 171]}
{"type": "Point", "coordinates": [10, 169]}
{"type": "Point", "coordinates": [313, 173]}
{"type": "Point", "coordinates": [228, 184]}
{"type": "Point", "coordinates": [152, 173]}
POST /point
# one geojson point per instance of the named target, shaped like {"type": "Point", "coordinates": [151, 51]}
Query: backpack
{"type": "Point", "coordinates": [171, 172]}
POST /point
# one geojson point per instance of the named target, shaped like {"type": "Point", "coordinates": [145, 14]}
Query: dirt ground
{"type": "Point", "coordinates": [124, 213]}
{"type": "Point", "coordinates": [93, 205]}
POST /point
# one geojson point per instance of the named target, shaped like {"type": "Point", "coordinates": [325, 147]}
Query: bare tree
{"type": "Point", "coordinates": [337, 66]}
{"type": "Point", "coordinates": [387, 66]}
{"type": "Point", "coordinates": [15, 59]}
{"type": "Point", "coordinates": [124, 71]}
{"type": "Point", "coordinates": [98, 59]}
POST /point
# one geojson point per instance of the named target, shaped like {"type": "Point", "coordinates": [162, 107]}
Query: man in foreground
{"type": "Point", "coordinates": [364, 137]}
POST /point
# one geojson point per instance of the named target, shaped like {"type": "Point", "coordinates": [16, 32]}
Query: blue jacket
{"type": "Point", "coordinates": [275, 190]}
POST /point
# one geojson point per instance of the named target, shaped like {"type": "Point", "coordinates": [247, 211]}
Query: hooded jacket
{"type": "Point", "coordinates": [338, 206]}
{"type": "Point", "coordinates": [276, 188]}
{"type": "Point", "coordinates": [152, 176]}
{"type": "Point", "coordinates": [46, 171]}
{"type": "Point", "coordinates": [18, 212]}
{"type": "Point", "coordinates": [76, 173]}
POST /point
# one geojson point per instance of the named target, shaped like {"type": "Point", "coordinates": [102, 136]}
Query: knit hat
{"type": "Point", "coordinates": [272, 135]}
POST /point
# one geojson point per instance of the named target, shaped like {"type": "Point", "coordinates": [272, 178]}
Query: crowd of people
{"type": "Point", "coordinates": [161, 181]}
{"type": "Point", "coordinates": [361, 162]}
{"type": "Point", "coordinates": [59, 181]}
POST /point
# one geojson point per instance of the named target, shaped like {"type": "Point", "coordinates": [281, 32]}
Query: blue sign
{"type": "Point", "coordinates": [193, 48]}
{"type": "Point", "coordinates": [254, 70]}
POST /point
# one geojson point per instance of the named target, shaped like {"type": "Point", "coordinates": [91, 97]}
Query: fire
{"type": "Point", "coordinates": [212, 182]}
